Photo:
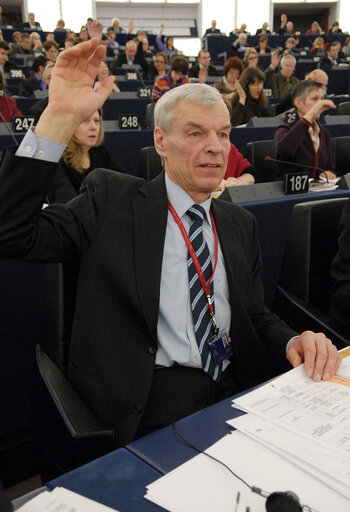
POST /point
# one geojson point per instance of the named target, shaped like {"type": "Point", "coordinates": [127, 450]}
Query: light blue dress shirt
{"type": "Point", "coordinates": [176, 336]}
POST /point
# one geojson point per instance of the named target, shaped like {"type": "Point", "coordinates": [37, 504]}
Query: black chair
{"type": "Point", "coordinates": [343, 108]}
{"type": "Point", "coordinates": [66, 430]}
{"type": "Point", "coordinates": [337, 119]}
{"type": "Point", "coordinates": [302, 297]}
{"type": "Point", "coordinates": [342, 154]}
{"type": "Point", "coordinates": [265, 171]}
{"type": "Point", "coordinates": [264, 121]}
{"type": "Point", "coordinates": [149, 116]}
{"type": "Point", "coordinates": [150, 163]}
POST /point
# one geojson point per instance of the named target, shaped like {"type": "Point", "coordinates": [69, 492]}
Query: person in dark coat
{"type": "Point", "coordinates": [304, 140]}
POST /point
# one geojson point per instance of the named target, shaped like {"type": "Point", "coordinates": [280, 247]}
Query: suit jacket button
{"type": "Point", "coordinates": [152, 350]}
{"type": "Point", "coordinates": [138, 409]}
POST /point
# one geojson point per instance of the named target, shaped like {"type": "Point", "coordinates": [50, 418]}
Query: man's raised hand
{"type": "Point", "coordinates": [72, 98]}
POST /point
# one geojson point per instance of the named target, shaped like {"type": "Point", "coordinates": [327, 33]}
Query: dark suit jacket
{"type": "Point", "coordinates": [116, 228]}
{"type": "Point", "coordinates": [139, 59]}
{"type": "Point", "coordinates": [212, 31]}
{"type": "Point", "coordinates": [194, 70]}
{"type": "Point", "coordinates": [326, 63]}
{"type": "Point", "coordinates": [26, 24]}
{"type": "Point", "coordinates": [27, 87]}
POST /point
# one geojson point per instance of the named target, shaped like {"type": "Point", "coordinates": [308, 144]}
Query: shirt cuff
{"type": "Point", "coordinates": [40, 148]}
{"type": "Point", "coordinates": [290, 341]}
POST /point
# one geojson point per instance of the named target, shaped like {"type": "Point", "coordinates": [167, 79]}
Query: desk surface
{"type": "Point", "coordinates": [164, 450]}
{"type": "Point", "coordinates": [117, 480]}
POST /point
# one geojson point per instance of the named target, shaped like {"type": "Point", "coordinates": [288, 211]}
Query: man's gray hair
{"type": "Point", "coordinates": [201, 94]}
{"type": "Point", "coordinates": [285, 57]}
{"type": "Point", "coordinates": [302, 89]}
{"type": "Point", "coordinates": [48, 66]}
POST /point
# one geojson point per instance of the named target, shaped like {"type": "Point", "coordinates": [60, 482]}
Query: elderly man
{"type": "Point", "coordinates": [212, 29]}
{"type": "Point", "coordinates": [133, 55]}
{"type": "Point", "coordinates": [25, 48]}
{"type": "Point", "coordinates": [283, 81]}
{"type": "Point", "coordinates": [116, 26]}
{"type": "Point", "coordinates": [317, 75]}
{"type": "Point", "coordinates": [203, 68]}
{"type": "Point", "coordinates": [241, 42]}
{"type": "Point", "coordinates": [149, 325]}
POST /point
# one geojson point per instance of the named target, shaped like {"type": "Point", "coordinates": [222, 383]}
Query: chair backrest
{"type": "Point", "coordinates": [342, 154]}
{"type": "Point", "coordinates": [40, 94]}
{"type": "Point", "coordinates": [264, 121]}
{"type": "Point", "coordinates": [149, 116]}
{"type": "Point", "coordinates": [58, 311]}
{"type": "Point", "coordinates": [265, 171]}
{"type": "Point", "coordinates": [337, 119]}
{"type": "Point", "coordinates": [343, 108]}
{"type": "Point", "coordinates": [150, 164]}
{"type": "Point", "coordinates": [310, 248]}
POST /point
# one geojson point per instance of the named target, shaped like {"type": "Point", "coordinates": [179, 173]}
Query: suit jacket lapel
{"type": "Point", "coordinates": [150, 210]}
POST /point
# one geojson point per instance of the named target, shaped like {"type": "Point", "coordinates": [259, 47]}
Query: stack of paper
{"type": "Point", "coordinates": [296, 436]}
{"type": "Point", "coordinates": [62, 500]}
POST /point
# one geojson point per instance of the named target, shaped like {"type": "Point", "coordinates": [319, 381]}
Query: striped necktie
{"type": "Point", "coordinates": [199, 303]}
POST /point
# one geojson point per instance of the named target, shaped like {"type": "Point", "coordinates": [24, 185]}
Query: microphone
{"type": "Point", "coordinates": [8, 129]}
{"type": "Point", "coordinates": [270, 159]}
{"type": "Point", "coordinates": [139, 74]}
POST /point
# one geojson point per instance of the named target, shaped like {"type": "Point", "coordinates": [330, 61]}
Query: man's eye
{"type": "Point", "coordinates": [223, 135]}
{"type": "Point", "coordinates": [194, 134]}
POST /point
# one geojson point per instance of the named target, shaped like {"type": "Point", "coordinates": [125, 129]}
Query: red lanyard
{"type": "Point", "coordinates": [205, 286]}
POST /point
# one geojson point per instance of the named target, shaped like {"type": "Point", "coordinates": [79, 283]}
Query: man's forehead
{"type": "Point", "coordinates": [190, 113]}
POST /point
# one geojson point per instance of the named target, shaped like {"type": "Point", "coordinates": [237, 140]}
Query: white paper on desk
{"type": "Point", "coordinates": [328, 466]}
{"type": "Point", "coordinates": [316, 410]}
{"type": "Point", "coordinates": [62, 500]}
{"type": "Point", "coordinates": [204, 485]}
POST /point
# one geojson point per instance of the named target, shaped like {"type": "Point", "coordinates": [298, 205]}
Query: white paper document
{"type": "Point", "coordinates": [62, 500]}
{"type": "Point", "coordinates": [204, 485]}
{"type": "Point", "coordinates": [318, 411]}
{"type": "Point", "coordinates": [330, 467]}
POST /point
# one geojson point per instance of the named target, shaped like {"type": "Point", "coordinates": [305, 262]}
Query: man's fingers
{"type": "Point", "coordinates": [105, 88]}
{"type": "Point", "coordinates": [294, 357]}
{"type": "Point", "coordinates": [97, 56]}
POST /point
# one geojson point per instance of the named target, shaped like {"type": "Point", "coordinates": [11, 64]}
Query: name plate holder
{"type": "Point", "coordinates": [128, 122]}
{"type": "Point", "coordinates": [21, 124]}
{"type": "Point", "coordinates": [296, 183]}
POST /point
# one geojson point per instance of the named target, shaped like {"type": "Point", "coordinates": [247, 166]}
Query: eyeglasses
{"type": "Point", "coordinates": [253, 57]}
{"type": "Point", "coordinates": [160, 61]}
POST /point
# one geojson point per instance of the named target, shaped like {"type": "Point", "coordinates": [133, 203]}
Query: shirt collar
{"type": "Point", "coordinates": [182, 201]}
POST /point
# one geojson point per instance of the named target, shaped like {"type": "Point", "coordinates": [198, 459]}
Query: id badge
{"type": "Point", "coordinates": [220, 347]}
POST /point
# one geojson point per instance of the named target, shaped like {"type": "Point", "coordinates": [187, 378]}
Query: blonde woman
{"type": "Point", "coordinates": [83, 154]}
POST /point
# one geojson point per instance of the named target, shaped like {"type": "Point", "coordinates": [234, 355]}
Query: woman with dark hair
{"type": "Point", "coordinates": [233, 68]}
{"type": "Point", "coordinates": [83, 154]}
{"type": "Point", "coordinates": [249, 99]}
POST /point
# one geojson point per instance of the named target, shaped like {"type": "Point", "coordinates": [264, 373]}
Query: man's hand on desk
{"type": "Point", "coordinates": [317, 352]}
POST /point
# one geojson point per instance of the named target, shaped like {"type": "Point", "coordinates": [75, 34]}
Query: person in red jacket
{"type": "Point", "coordinates": [8, 105]}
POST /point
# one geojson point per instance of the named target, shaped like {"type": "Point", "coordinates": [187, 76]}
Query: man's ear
{"type": "Point", "coordinates": [160, 141]}
{"type": "Point", "coordinates": [297, 103]}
